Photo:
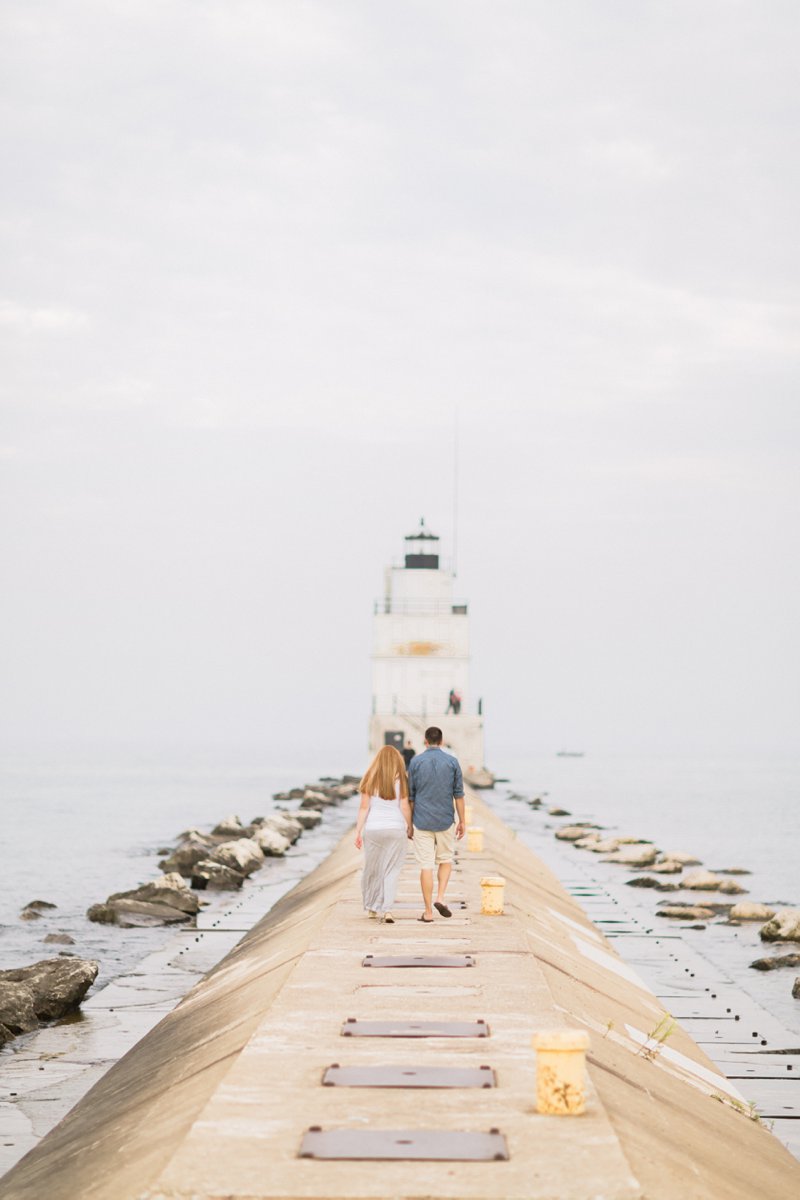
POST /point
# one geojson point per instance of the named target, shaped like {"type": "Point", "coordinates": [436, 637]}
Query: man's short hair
{"type": "Point", "coordinates": [433, 736]}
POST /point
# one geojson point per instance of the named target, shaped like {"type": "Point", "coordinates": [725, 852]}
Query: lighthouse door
{"type": "Point", "coordinates": [394, 737]}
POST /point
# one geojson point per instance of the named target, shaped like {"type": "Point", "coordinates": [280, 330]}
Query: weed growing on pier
{"type": "Point", "coordinates": [749, 1110]}
{"type": "Point", "coordinates": [658, 1036]}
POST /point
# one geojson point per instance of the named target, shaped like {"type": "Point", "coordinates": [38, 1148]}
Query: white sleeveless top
{"type": "Point", "coordinates": [385, 814]}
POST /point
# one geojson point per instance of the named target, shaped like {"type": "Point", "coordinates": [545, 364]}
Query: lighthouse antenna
{"type": "Point", "coordinates": [455, 491]}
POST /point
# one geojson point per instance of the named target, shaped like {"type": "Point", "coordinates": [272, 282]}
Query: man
{"type": "Point", "coordinates": [408, 753]}
{"type": "Point", "coordinates": [435, 783]}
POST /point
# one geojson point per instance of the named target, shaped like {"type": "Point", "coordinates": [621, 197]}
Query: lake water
{"type": "Point", "coordinates": [75, 831]}
{"type": "Point", "coordinates": [732, 812]}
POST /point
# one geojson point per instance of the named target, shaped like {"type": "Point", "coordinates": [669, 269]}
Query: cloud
{"type": "Point", "coordinates": [28, 319]}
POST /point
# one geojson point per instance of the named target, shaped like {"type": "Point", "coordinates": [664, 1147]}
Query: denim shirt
{"type": "Point", "coordinates": [434, 779]}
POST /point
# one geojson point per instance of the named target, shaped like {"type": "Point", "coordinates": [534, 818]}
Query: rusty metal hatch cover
{"type": "Point", "coordinates": [409, 1077]}
{"type": "Point", "coordinates": [355, 1028]}
{"type": "Point", "coordinates": [419, 960]}
{"type": "Point", "coordinates": [421, 1145]}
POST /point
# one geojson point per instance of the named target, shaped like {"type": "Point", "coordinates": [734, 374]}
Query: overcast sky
{"type": "Point", "coordinates": [258, 255]}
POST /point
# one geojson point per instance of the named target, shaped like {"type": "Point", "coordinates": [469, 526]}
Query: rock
{"type": "Point", "coordinates": [40, 905]}
{"type": "Point", "coordinates": [208, 874]}
{"type": "Point", "coordinates": [784, 927]}
{"type": "Point", "coordinates": [668, 867]}
{"type": "Point", "coordinates": [172, 891]}
{"type": "Point", "coordinates": [308, 818]}
{"type": "Point", "coordinates": [59, 939]}
{"type": "Point", "coordinates": [634, 855]}
{"type": "Point", "coordinates": [773, 964]}
{"type": "Point", "coordinates": [243, 855]}
{"type": "Point", "coordinates": [587, 843]}
{"type": "Point", "coordinates": [685, 912]}
{"type": "Point", "coordinates": [184, 857]}
{"type": "Point", "coordinates": [319, 797]}
{"type": "Point", "coordinates": [228, 827]}
{"type": "Point", "coordinates": [572, 833]}
{"type": "Point", "coordinates": [164, 902]}
{"type": "Point", "coordinates": [729, 888]}
{"type": "Point", "coordinates": [604, 846]}
{"type": "Point", "coordinates": [796, 988]}
{"type": "Point", "coordinates": [732, 871]}
{"type": "Point", "coordinates": [647, 881]}
{"type": "Point", "coordinates": [682, 857]}
{"type": "Point", "coordinates": [702, 881]}
{"type": "Point", "coordinates": [747, 910]}
{"type": "Point", "coordinates": [130, 914]}
{"type": "Point", "coordinates": [44, 991]}
{"type": "Point", "coordinates": [558, 812]}
{"type": "Point", "coordinates": [288, 826]}
{"type": "Point", "coordinates": [694, 927]}
{"type": "Point", "coordinates": [271, 843]}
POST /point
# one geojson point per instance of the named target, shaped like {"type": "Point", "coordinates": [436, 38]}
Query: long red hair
{"type": "Point", "coordinates": [382, 774]}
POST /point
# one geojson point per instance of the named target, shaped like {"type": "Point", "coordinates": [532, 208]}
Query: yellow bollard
{"type": "Point", "coordinates": [492, 887]}
{"type": "Point", "coordinates": [561, 1071]}
{"type": "Point", "coordinates": [468, 811]}
{"type": "Point", "coordinates": [474, 839]}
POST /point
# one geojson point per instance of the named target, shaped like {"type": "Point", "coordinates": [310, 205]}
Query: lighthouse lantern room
{"type": "Point", "coordinates": [420, 657]}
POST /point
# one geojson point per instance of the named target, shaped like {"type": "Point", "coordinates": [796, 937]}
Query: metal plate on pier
{"type": "Point", "coordinates": [420, 1145]}
{"type": "Point", "coordinates": [419, 960]}
{"type": "Point", "coordinates": [356, 1028]}
{"type": "Point", "coordinates": [409, 1077]}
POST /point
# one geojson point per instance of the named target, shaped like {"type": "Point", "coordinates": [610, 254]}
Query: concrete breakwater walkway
{"type": "Point", "coordinates": [216, 1100]}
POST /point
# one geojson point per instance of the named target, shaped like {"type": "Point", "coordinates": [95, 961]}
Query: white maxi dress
{"type": "Point", "coordinates": [385, 849]}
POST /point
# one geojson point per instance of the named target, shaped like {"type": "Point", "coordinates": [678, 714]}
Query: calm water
{"type": "Point", "coordinates": [74, 832]}
{"type": "Point", "coordinates": [731, 812]}
{"type": "Point", "coordinates": [728, 812]}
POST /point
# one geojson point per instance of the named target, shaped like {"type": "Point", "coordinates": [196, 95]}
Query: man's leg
{"type": "Point", "coordinates": [426, 883]}
{"type": "Point", "coordinates": [424, 851]}
{"type": "Point", "coordinates": [443, 879]}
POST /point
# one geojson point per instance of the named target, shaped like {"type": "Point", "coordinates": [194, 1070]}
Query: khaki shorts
{"type": "Point", "coordinates": [432, 847]}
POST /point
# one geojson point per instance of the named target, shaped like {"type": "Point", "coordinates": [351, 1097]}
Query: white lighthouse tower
{"type": "Point", "coordinates": [420, 658]}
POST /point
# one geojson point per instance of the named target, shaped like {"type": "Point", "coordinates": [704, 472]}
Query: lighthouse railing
{"type": "Point", "coordinates": [420, 608]}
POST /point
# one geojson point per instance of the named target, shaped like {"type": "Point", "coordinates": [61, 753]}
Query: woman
{"type": "Point", "coordinates": [384, 820]}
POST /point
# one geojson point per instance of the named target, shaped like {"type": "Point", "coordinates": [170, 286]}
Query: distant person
{"type": "Point", "coordinates": [383, 827]}
{"type": "Point", "coordinates": [453, 702]}
{"type": "Point", "coordinates": [435, 785]}
{"type": "Point", "coordinates": [408, 753]}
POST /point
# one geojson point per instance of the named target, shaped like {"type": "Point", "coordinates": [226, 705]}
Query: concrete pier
{"type": "Point", "coordinates": [216, 1100]}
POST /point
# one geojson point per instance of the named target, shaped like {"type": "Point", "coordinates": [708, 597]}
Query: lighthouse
{"type": "Point", "coordinates": [420, 657]}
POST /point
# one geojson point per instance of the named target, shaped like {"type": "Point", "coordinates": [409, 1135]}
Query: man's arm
{"type": "Point", "coordinates": [458, 796]}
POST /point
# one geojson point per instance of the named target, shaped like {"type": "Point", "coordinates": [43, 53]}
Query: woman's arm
{"type": "Point", "coordinates": [405, 809]}
{"type": "Point", "coordinates": [363, 813]}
